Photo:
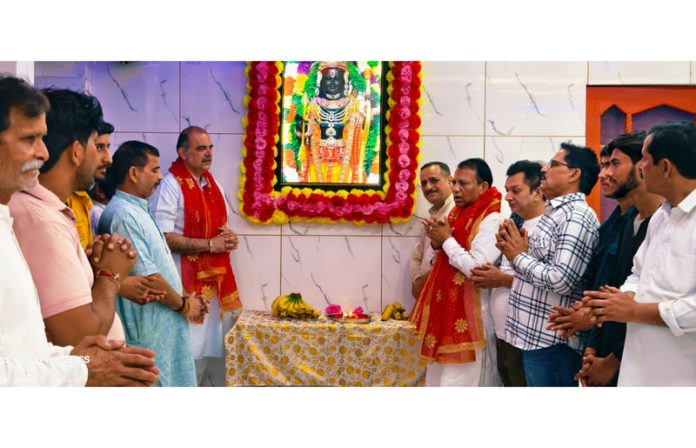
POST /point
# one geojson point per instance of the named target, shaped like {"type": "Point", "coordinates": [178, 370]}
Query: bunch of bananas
{"type": "Point", "coordinates": [292, 306]}
{"type": "Point", "coordinates": [394, 311]}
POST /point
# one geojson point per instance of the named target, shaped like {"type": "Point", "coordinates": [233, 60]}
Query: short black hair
{"type": "Point", "coordinates": [183, 140]}
{"type": "Point", "coordinates": [130, 153]}
{"type": "Point", "coordinates": [531, 170]}
{"type": "Point", "coordinates": [105, 128]}
{"type": "Point", "coordinates": [16, 92]}
{"type": "Point", "coordinates": [444, 168]}
{"type": "Point", "coordinates": [585, 160]}
{"type": "Point", "coordinates": [74, 116]}
{"type": "Point", "coordinates": [483, 171]}
{"type": "Point", "coordinates": [676, 142]}
{"type": "Point", "coordinates": [606, 151]}
{"type": "Point", "coordinates": [630, 144]}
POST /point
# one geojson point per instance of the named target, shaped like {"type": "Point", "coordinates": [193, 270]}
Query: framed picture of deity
{"type": "Point", "coordinates": [331, 141]}
{"type": "Point", "coordinates": [331, 130]}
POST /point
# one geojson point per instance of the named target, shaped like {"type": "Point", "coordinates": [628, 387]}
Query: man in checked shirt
{"type": "Point", "coordinates": [549, 266]}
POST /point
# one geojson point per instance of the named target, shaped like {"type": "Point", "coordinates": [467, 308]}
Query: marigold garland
{"type": "Point", "coordinates": [395, 202]}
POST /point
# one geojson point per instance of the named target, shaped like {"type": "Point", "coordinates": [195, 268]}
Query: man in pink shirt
{"type": "Point", "coordinates": [26, 357]}
{"type": "Point", "coordinates": [77, 299]}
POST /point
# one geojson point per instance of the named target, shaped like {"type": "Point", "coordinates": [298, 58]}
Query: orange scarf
{"type": "Point", "coordinates": [447, 313]}
{"type": "Point", "coordinates": [205, 217]}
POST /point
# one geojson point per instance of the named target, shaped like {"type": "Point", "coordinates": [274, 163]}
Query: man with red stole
{"type": "Point", "coordinates": [334, 145]}
{"type": "Point", "coordinates": [190, 208]}
{"type": "Point", "coordinates": [450, 314]}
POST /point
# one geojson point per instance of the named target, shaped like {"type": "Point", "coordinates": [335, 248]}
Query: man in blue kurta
{"type": "Point", "coordinates": [160, 326]}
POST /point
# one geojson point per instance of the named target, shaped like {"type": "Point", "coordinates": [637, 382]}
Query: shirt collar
{"type": "Point", "coordinates": [565, 199]}
{"type": "Point", "coordinates": [688, 203]}
{"type": "Point", "coordinates": [134, 200]}
{"type": "Point", "coordinates": [48, 197]}
{"type": "Point", "coordinates": [4, 212]}
{"type": "Point", "coordinates": [448, 201]}
{"type": "Point", "coordinates": [81, 196]}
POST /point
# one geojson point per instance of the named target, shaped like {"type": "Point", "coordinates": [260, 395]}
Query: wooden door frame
{"type": "Point", "coordinates": [631, 100]}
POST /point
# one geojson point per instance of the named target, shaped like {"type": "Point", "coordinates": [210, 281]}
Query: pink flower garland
{"type": "Point", "coordinates": [260, 202]}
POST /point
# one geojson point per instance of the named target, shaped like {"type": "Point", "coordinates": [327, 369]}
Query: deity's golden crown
{"type": "Point", "coordinates": [324, 65]}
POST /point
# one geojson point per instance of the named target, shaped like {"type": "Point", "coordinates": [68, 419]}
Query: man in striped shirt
{"type": "Point", "coordinates": [549, 266]}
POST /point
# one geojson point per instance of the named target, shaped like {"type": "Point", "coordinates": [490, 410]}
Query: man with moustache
{"type": "Point", "coordinates": [619, 239]}
{"type": "Point", "coordinates": [191, 209]}
{"type": "Point", "coordinates": [80, 202]}
{"type": "Point", "coordinates": [568, 321]}
{"type": "Point", "coordinates": [450, 315]}
{"type": "Point", "coordinates": [26, 356]}
{"type": "Point", "coordinates": [658, 299]}
{"type": "Point", "coordinates": [526, 201]}
{"type": "Point", "coordinates": [88, 207]}
{"type": "Point", "coordinates": [436, 183]}
{"type": "Point", "coordinates": [549, 266]}
{"type": "Point", "coordinates": [161, 326]}
{"type": "Point", "coordinates": [77, 295]}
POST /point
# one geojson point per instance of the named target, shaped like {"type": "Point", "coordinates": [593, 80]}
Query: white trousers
{"type": "Point", "coordinates": [208, 345]}
{"type": "Point", "coordinates": [455, 375]}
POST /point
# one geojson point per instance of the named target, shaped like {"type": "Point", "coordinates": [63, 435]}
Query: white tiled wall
{"type": "Point", "coordinates": [535, 98]}
{"type": "Point", "coordinates": [619, 73]}
{"type": "Point", "coordinates": [501, 111]}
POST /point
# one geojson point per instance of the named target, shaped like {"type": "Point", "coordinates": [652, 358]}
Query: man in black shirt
{"type": "Point", "coordinates": [620, 237]}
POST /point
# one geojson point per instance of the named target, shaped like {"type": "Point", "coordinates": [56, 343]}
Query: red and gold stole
{"type": "Point", "coordinates": [447, 313]}
{"type": "Point", "coordinates": [205, 216]}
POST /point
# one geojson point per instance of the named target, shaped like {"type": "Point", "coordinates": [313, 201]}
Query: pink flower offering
{"type": "Point", "coordinates": [333, 310]}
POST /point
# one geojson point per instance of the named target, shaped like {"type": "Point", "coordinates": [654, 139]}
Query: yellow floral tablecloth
{"type": "Point", "coordinates": [265, 350]}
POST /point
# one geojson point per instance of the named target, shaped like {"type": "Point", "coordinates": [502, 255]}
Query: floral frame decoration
{"type": "Point", "coordinates": [394, 202]}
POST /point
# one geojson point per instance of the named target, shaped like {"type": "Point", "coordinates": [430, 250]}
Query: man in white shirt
{"type": "Point", "coordinates": [26, 356]}
{"type": "Point", "coordinates": [526, 201]}
{"type": "Point", "coordinates": [658, 300]}
{"type": "Point", "coordinates": [436, 183]}
{"type": "Point", "coordinates": [201, 246]}
{"type": "Point", "coordinates": [450, 313]}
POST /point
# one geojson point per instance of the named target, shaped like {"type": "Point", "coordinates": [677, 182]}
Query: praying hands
{"type": "Point", "coordinates": [438, 230]}
{"type": "Point", "coordinates": [510, 240]}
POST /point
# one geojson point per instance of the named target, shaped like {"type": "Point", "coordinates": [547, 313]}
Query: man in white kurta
{"type": "Point", "coordinates": [167, 205]}
{"type": "Point", "coordinates": [436, 184]}
{"type": "Point", "coordinates": [663, 273]}
{"type": "Point", "coordinates": [26, 357]}
{"type": "Point", "coordinates": [658, 300]}
{"type": "Point", "coordinates": [469, 179]}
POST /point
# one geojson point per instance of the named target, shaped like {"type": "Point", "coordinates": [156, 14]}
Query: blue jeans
{"type": "Point", "coordinates": [553, 366]}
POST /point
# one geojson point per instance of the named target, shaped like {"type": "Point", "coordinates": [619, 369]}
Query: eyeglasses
{"type": "Point", "coordinates": [553, 163]}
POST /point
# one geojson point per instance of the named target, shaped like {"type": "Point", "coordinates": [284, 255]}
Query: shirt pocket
{"type": "Point", "coordinates": [678, 274]}
{"type": "Point", "coordinates": [540, 246]}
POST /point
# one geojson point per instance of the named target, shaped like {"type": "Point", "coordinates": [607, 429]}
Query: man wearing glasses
{"type": "Point", "coordinates": [549, 266]}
